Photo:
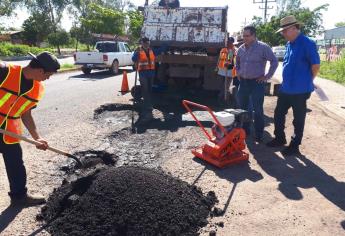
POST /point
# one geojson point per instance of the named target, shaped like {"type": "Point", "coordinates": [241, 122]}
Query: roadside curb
{"type": "Point", "coordinates": [68, 70]}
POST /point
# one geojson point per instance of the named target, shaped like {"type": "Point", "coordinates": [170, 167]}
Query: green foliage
{"type": "Point", "coordinates": [103, 20]}
{"type": "Point", "coordinates": [333, 70]}
{"type": "Point", "coordinates": [311, 20]}
{"type": "Point", "coordinates": [8, 6]}
{"type": "Point", "coordinates": [81, 34]}
{"type": "Point", "coordinates": [59, 38]}
{"type": "Point", "coordinates": [67, 66]}
{"type": "Point", "coordinates": [36, 28]}
{"type": "Point", "coordinates": [136, 20]}
{"type": "Point", "coordinates": [8, 49]}
{"type": "Point", "coordinates": [53, 9]}
{"type": "Point", "coordinates": [340, 24]}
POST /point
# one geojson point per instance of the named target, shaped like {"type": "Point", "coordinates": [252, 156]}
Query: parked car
{"type": "Point", "coordinates": [279, 52]}
{"type": "Point", "coordinates": [107, 55]}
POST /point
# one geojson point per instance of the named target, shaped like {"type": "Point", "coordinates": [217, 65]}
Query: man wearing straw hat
{"type": "Point", "coordinates": [300, 67]}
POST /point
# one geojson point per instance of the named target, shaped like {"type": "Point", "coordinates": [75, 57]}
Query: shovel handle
{"type": "Point", "coordinates": [14, 135]}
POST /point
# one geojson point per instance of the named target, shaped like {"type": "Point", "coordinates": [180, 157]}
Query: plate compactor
{"type": "Point", "coordinates": [226, 142]}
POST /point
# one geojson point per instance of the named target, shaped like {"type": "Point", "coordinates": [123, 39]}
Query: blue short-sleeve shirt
{"type": "Point", "coordinates": [300, 55]}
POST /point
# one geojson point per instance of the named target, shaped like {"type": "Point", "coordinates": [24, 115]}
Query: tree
{"type": "Point", "coordinates": [36, 28]}
{"type": "Point", "coordinates": [59, 38]}
{"type": "Point", "coordinates": [340, 24]}
{"type": "Point", "coordinates": [287, 5]}
{"type": "Point", "coordinates": [7, 7]}
{"type": "Point", "coordinates": [311, 20]}
{"type": "Point", "coordinates": [81, 34]}
{"type": "Point", "coordinates": [136, 20]}
{"type": "Point", "coordinates": [103, 20]}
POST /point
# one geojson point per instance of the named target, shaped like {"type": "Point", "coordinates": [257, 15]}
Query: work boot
{"type": "Point", "coordinates": [291, 150]}
{"type": "Point", "coordinates": [276, 142]}
{"type": "Point", "coordinates": [28, 200]}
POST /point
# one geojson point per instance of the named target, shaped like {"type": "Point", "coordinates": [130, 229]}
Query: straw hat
{"type": "Point", "coordinates": [287, 22]}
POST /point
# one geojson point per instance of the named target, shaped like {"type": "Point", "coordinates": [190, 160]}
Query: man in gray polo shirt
{"type": "Point", "coordinates": [251, 61]}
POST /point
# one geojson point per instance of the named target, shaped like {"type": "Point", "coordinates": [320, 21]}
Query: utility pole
{"type": "Point", "coordinates": [266, 7]}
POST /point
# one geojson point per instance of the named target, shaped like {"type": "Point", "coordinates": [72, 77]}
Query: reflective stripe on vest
{"type": "Point", "coordinates": [225, 57]}
{"type": "Point", "coordinates": [12, 106]}
{"type": "Point", "coordinates": [144, 63]}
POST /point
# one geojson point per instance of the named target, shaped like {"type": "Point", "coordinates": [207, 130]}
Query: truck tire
{"type": "Point", "coordinates": [114, 69]}
{"type": "Point", "coordinates": [86, 70]}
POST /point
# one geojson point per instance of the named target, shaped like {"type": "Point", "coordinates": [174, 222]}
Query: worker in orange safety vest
{"type": "Point", "coordinates": [20, 91]}
{"type": "Point", "coordinates": [144, 57]}
{"type": "Point", "coordinates": [226, 66]}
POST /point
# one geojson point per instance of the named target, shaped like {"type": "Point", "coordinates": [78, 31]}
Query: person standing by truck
{"type": "Point", "coordinates": [144, 58]}
{"type": "Point", "coordinates": [21, 89]}
{"type": "Point", "coordinates": [226, 68]}
{"type": "Point", "coordinates": [251, 61]}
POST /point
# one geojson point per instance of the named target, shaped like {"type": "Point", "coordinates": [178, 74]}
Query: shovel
{"type": "Point", "coordinates": [14, 135]}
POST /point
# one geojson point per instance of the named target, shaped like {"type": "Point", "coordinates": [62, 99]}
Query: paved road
{"type": "Point", "coordinates": [69, 96]}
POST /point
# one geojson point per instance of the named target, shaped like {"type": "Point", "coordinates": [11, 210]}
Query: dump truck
{"type": "Point", "coordinates": [194, 36]}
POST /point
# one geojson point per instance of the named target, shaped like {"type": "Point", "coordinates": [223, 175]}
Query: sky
{"type": "Point", "coordinates": [239, 11]}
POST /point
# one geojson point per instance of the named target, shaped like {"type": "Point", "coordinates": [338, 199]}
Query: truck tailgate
{"type": "Point", "coordinates": [89, 58]}
{"type": "Point", "coordinates": [188, 26]}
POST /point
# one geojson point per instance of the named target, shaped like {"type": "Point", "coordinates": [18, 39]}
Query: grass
{"type": "Point", "coordinates": [68, 66]}
{"type": "Point", "coordinates": [333, 70]}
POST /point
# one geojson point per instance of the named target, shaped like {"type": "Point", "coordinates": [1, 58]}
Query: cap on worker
{"type": "Point", "coordinates": [47, 60]}
{"type": "Point", "coordinates": [231, 40]}
{"type": "Point", "coordinates": [144, 40]}
{"type": "Point", "coordinates": [287, 22]}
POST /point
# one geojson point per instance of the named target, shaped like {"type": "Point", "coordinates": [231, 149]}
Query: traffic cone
{"type": "Point", "coordinates": [124, 85]}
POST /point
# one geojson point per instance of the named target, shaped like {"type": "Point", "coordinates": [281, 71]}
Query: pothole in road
{"type": "Point", "coordinates": [90, 159]}
{"type": "Point", "coordinates": [127, 201]}
{"type": "Point", "coordinates": [115, 114]}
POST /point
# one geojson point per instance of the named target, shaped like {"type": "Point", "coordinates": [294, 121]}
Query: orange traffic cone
{"type": "Point", "coordinates": [124, 86]}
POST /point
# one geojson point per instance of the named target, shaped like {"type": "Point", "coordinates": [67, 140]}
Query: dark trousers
{"type": "Point", "coordinates": [16, 172]}
{"type": "Point", "coordinates": [298, 102]}
{"type": "Point", "coordinates": [250, 89]}
{"type": "Point", "coordinates": [146, 89]}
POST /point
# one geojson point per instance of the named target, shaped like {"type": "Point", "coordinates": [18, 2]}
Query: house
{"type": "Point", "coordinates": [14, 37]}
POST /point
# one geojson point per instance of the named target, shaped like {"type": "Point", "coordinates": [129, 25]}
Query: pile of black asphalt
{"type": "Point", "coordinates": [127, 201]}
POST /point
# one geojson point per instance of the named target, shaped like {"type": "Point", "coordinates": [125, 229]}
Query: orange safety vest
{"type": "Point", "coordinates": [13, 105]}
{"type": "Point", "coordinates": [145, 63]}
{"type": "Point", "coordinates": [225, 59]}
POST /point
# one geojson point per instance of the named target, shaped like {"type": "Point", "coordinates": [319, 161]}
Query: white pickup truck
{"type": "Point", "coordinates": [107, 55]}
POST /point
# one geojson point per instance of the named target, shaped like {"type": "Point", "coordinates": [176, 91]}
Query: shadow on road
{"type": "Point", "coordinates": [8, 215]}
{"type": "Point", "coordinates": [294, 172]}
{"type": "Point", "coordinates": [97, 75]}
{"type": "Point", "coordinates": [234, 174]}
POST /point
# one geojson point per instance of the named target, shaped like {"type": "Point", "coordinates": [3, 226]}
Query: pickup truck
{"type": "Point", "coordinates": [107, 55]}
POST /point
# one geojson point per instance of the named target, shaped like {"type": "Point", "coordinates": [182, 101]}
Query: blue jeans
{"type": "Point", "coordinates": [250, 89]}
{"type": "Point", "coordinates": [16, 172]}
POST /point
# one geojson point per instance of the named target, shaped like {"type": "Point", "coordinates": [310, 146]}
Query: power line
{"type": "Point", "coordinates": [266, 7]}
